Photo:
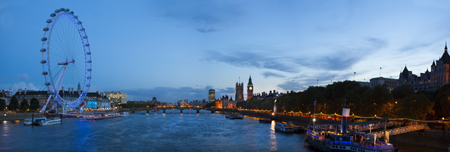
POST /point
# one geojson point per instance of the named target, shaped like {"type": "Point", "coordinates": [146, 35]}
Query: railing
{"type": "Point", "coordinates": [400, 130]}
{"type": "Point", "coordinates": [375, 126]}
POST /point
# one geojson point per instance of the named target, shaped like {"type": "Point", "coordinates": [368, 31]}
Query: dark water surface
{"type": "Point", "coordinates": [151, 132]}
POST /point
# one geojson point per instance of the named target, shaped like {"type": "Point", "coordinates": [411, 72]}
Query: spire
{"type": "Point", "coordinates": [445, 57]}
{"type": "Point", "coordinates": [445, 48]}
{"type": "Point", "coordinates": [79, 86]}
{"type": "Point", "coordinates": [433, 64]}
{"type": "Point", "coordinates": [250, 80]}
{"type": "Point", "coordinates": [405, 73]}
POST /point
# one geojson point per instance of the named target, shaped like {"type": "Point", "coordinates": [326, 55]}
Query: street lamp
{"type": "Point", "coordinates": [314, 116]}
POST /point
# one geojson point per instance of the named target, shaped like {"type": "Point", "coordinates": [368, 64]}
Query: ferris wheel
{"type": "Point", "coordinates": [66, 60]}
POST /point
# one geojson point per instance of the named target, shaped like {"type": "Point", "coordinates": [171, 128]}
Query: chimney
{"type": "Point", "coordinates": [345, 119]}
{"type": "Point", "coordinates": [20, 91]}
{"type": "Point", "coordinates": [25, 91]}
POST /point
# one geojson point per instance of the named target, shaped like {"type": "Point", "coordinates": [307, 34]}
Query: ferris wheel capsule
{"type": "Point", "coordinates": [52, 15]}
{"type": "Point", "coordinates": [49, 21]}
{"type": "Point", "coordinates": [45, 29]}
{"type": "Point", "coordinates": [57, 10]}
{"type": "Point", "coordinates": [43, 50]}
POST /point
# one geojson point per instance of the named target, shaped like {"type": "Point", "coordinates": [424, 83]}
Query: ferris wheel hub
{"type": "Point", "coordinates": [66, 62]}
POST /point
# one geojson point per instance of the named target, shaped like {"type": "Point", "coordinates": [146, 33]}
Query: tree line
{"type": "Point", "coordinates": [401, 102]}
{"type": "Point", "coordinates": [22, 107]}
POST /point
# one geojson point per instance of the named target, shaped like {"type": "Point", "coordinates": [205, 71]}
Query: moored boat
{"type": "Point", "coordinates": [236, 116]}
{"type": "Point", "coordinates": [286, 128]}
{"type": "Point", "coordinates": [103, 116]}
{"type": "Point", "coordinates": [124, 114]}
{"type": "Point", "coordinates": [299, 129]}
{"type": "Point", "coordinates": [47, 121]}
{"type": "Point", "coordinates": [29, 121]}
{"type": "Point", "coordinates": [334, 137]}
{"type": "Point", "coordinates": [265, 120]}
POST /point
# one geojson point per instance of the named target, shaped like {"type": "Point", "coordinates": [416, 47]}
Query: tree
{"type": "Point", "coordinates": [34, 104]}
{"type": "Point", "coordinates": [442, 101]}
{"type": "Point", "coordinates": [2, 104]}
{"type": "Point", "coordinates": [14, 104]}
{"type": "Point", "coordinates": [24, 105]}
{"type": "Point", "coordinates": [416, 107]}
{"type": "Point", "coordinates": [402, 91]}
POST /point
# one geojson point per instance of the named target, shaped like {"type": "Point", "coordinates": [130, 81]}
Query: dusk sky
{"type": "Point", "coordinates": [175, 50]}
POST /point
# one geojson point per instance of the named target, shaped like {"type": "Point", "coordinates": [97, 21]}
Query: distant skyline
{"type": "Point", "coordinates": [175, 50]}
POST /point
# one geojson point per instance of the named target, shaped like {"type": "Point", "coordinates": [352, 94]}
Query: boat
{"type": "Point", "coordinates": [238, 116]}
{"type": "Point", "coordinates": [335, 137]}
{"type": "Point", "coordinates": [282, 127]}
{"type": "Point", "coordinates": [265, 120]}
{"type": "Point", "coordinates": [124, 114]}
{"type": "Point", "coordinates": [235, 116]}
{"type": "Point", "coordinates": [47, 121]}
{"type": "Point", "coordinates": [103, 116]}
{"type": "Point", "coordinates": [29, 121]}
{"type": "Point", "coordinates": [227, 115]}
{"type": "Point", "coordinates": [298, 128]}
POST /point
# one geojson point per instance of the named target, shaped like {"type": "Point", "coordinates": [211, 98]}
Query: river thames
{"type": "Point", "coordinates": [151, 132]}
{"type": "Point", "coordinates": [157, 132]}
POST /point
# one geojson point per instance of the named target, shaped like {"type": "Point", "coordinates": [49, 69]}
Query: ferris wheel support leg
{"type": "Point", "coordinates": [45, 106]}
{"type": "Point", "coordinates": [60, 79]}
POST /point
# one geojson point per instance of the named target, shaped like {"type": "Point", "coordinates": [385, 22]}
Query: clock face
{"type": "Point", "coordinates": [250, 88]}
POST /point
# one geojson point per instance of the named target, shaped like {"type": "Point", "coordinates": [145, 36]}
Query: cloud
{"type": "Point", "coordinates": [302, 82]}
{"type": "Point", "coordinates": [19, 85]}
{"type": "Point", "coordinates": [172, 95]}
{"type": "Point", "coordinates": [203, 16]}
{"type": "Point", "coordinates": [291, 85]}
{"type": "Point", "coordinates": [22, 77]}
{"type": "Point", "coordinates": [344, 58]}
{"type": "Point", "coordinates": [249, 59]}
{"type": "Point", "coordinates": [271, 74]}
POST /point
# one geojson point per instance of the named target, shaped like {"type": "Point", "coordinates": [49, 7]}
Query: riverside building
{"type": "Point", "coordinates": [429, 80]}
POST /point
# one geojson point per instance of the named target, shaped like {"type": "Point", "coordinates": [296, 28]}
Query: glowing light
{"type": "Point", "coordinates": [314, 119]}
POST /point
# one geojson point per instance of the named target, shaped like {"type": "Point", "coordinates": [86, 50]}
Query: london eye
{"type": "Point", "coordinates": [66, 60]}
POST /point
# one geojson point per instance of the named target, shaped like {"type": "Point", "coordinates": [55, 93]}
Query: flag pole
{"type": "Point", "coordinates": [380, 71]}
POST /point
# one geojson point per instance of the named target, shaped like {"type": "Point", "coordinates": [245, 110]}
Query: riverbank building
{"type": "Point", "coordinates": [429, 80]}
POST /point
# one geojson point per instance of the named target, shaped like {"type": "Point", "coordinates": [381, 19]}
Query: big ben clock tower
{"type": "Point", "coordinates": [249, 89]}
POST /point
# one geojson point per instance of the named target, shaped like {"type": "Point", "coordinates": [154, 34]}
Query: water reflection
{"type": "Point", "coordinates": [273, 137]}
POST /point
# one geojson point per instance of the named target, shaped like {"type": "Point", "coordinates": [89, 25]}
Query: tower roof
{"type": "Point", "coordinates": [405, 72]}
{"type": "Point", "coordinates": [250, 80]}
{"type": "Point", "coordinates": [445, 57]}
{"type": "Point", "coordinates": [433, 64]}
